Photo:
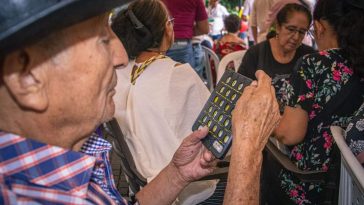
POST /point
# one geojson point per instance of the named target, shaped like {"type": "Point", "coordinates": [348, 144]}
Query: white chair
{"type": "Point", "coordinates": [236, 57]}
{"type": "Point", "coordinates": [210, 56]}
{"type": "Point", "coordinates": [352, 173]}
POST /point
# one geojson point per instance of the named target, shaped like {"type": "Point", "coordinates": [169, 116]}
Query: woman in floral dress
{"type": "Point", "coordinates": [354, 135]}
{"type": "Point", "coordinates": [317, 78]}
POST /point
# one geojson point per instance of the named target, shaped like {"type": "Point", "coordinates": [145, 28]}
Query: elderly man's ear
{"type": "Point", "coordinates": [26, 80]}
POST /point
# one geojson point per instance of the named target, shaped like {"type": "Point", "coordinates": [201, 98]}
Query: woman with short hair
{"type": "Point", "coordinates": [231, 41]}
{"type": "Point", "coordinates": [278, 55]}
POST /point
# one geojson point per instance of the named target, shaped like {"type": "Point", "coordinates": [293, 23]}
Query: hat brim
{"type": "Point", "coordinates": [61, 15]}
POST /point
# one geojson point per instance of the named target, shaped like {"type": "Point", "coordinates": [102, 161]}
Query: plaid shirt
{"type": "Point", "coordinates": [35, 173]}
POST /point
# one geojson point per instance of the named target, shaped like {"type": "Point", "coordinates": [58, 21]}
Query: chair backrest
{"type": "Point", "coordinates": [234, 57]}
{"type": "Point", "coordinates": [135, 179]}
{"type": "Point", "coordinates": [211, 65]}
{"type": "Point", "coordinates": [330, 179]}
{"type": "Point", "coordinates": [352, 173]}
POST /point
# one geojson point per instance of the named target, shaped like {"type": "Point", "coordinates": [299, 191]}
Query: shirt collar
{"type": "Point", "coordinates": [46, 165]}
{"type": "Point", "coordinates": [95, 145]}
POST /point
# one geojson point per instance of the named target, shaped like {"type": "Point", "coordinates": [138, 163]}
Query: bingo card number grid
{"type": "Point", "coordinates": [216, 114]}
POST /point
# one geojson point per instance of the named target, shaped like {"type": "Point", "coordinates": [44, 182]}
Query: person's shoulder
{"type": "Point", "coordinates": [264, 44]}
{"type": "Point", "coordinates": [180, 67]}
{"type": "Point", "coordinates": [164, 64]}
{"type": "Point", "coordinates": [186, 74]}
{"type": "Point", "coordinates": [325, 55]}
{"type": "Point", "coordinates": [257, 47]}
{"type": "Point", "coordinates": [261, 47]}
{"type": "Point", "coordinates": [322, 61]}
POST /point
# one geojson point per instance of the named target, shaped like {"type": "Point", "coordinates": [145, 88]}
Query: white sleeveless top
{"type": "Point", "coordinates": [157, 113]}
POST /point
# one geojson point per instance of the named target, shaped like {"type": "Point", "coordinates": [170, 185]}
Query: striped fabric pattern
{"type": "Point", "coordinates": [217, 198]}
{"type": "Point", "coordinates": [35, 173]}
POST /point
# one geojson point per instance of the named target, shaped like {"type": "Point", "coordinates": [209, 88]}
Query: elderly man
{"type": "Point", "coordinates": [58, 61]}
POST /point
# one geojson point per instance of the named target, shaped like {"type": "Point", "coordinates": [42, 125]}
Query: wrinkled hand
{"type": "Point", "coordinates": [256, 113]}
{"type": "Point", "coordinates": [192, 159]}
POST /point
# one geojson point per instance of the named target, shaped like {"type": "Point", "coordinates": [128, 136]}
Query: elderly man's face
{"type": "Point", "coordinates": [60, 89]}
{"type": "Point", "coordinates": [83, 77]}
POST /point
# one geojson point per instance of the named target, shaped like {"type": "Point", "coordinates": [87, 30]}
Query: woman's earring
{"type": "Point", "coordinates": [277, 36]}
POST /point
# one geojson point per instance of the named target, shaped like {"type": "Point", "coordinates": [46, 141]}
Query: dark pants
{"type": "Point", "coordinates": [271, 192]}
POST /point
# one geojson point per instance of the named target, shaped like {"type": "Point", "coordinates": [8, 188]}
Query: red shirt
{"type": "Point", "coordinates": [185, 13]}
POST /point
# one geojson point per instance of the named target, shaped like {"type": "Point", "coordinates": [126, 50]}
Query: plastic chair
{"type": "Point", "coordinates": [352, 173]}
{"type": "Point", "coordinates": [235, 57]}
{"type": "Point", "coordinates": [135, 179]}
{"type": "Point", "coordinates": [211, 65]}
{"type": "Point", "coordinates": [330, 179]}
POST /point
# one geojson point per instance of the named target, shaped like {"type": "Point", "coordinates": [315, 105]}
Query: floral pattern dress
{"type": "Point", "coordinates": [316, 79]}
{"type": "Point", "coordinates": [354, 133]}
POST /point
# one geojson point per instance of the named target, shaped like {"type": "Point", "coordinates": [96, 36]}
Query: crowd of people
{"type": "Point", "coordinates": [60, 81]}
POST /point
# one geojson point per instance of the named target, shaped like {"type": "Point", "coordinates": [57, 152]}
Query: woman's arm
{"type": "Point", "coordinates": [293, 126]}
{"type": "Point", "coordinates": [360, 157]}
{"type": "Point", "coordinates": [300, 98]}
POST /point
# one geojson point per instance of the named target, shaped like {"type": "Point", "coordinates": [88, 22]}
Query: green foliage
{"type": "Point", "coordinates": [231, 5]}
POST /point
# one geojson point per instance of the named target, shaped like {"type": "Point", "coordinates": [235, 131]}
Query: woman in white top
{"type": "Point", "coordinates": [157, 98]}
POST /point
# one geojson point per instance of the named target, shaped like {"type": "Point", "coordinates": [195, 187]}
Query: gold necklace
{"type": "Point", "coordinates": [138, 70]}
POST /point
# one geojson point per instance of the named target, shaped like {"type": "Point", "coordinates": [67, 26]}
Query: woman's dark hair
{"type": "Point", "coordinates": [285, 13]}
{"type": "Point", "coordinates": [232, 23]}
{"type": "Point", "coordinates": [346, 17]}
{"type": "Point", "coordinates": [141, 26]}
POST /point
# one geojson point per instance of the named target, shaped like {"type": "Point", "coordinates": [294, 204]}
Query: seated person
{"type": "Point", "coordinates": [319, 81]}
{"type": "Point", "coordinates": [354, 135]}
{"type": "Point", "coordinates": [243, 32]}
{"type": "Point", "coordinates": [157, 99]}
{"type": "Point", "coordinates": [231, 41]}
{"type": "Point", "coordinates": [278, 55]}
{"type": "Point", "coordinates": [57, 86]}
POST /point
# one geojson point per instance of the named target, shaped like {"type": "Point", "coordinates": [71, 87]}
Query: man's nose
{"type": "Point", "coordinates": [120, 57]}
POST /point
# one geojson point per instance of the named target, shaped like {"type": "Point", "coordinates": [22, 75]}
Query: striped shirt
{"type": "Point", "coordinates": [35, 173]}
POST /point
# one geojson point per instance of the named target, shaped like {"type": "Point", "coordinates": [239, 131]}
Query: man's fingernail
{"type": "Point", "coordinates": [203, 128]}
